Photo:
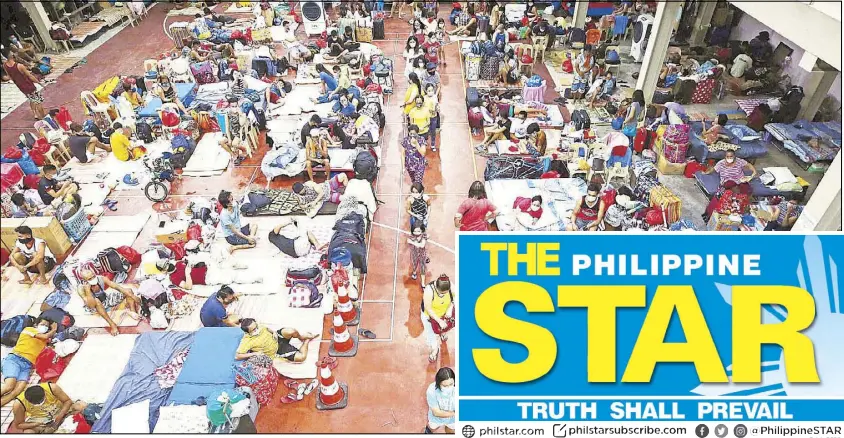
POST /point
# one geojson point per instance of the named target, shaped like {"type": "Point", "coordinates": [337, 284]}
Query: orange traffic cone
{"type": "Point", "coordinates": [332, 394]}
{"type": "Point", "coordinates": [348, 311]}
{"type": "Point", "coordinates": [344, 343]}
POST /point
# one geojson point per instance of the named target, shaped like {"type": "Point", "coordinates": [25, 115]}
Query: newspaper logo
{"type": "Point", "coordinates": [468, 431]}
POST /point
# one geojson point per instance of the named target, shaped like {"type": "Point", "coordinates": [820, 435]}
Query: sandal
{"type": "Point", "coordinates": [290, 383]}
{"type": "Point", "coordinates": [328, 361]}
{"type": "Point", "coordinates": [289, 398]}
{"type": "Point", "coordinates": [366, 333]}
{"type": "Point", "coordinates": [433, 358]}
{"type": "Point", "coordinates": [311, 386]}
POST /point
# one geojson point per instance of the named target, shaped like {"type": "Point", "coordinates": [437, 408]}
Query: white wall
{"type": "Point", "coordinates": [748, 27]}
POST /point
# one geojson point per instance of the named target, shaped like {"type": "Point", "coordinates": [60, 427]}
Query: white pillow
{"type": "Point", "coordinates": [133, 418]}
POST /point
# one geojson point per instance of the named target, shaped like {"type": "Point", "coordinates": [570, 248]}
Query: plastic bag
{"type": "Point", "coordinates": [194, 232]}
{"type": "Point", "coordinates": [49, 365]}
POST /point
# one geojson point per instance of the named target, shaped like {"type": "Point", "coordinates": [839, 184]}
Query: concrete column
{"type": "Point", "coordinates": [816, 88]}
{"type": "Point", "coordinates": [823, 211]}
{"type": "Point", "coordinates": [703, 21]}
{"type": "Point", "coordinates": [657, 47]}
{"type": "Point", "coordinates": [41, 22]}
{"type": "Point", "coordinates": [580, 9]}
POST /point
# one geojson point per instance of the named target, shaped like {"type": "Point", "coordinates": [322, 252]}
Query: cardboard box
{"type": "Point", "coordinates": [668, 168]}
{"type": "Point", "coordinates": [172, 232]}
{"type": "Point", "coordinates": [50, 229]}
{"type": "Point", "coordinates": [7, 231]}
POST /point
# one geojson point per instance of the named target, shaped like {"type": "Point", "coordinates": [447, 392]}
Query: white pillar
{"type": "Point", "coordinates": [823, 211]}
{"type": "Point", "coordinates": [41, 21]}
{"type": "Point", "coordinates": [580, 9]}
{"type": "Point", "coordinates": [661, 33]}
{"type": "Point", "coordinates": [703, 21]}
{"type": "Point", "coordinates": [816, 87]}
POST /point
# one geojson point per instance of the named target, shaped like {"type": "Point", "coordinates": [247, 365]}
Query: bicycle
{"type": "Point", "coordinates": [161, 175]}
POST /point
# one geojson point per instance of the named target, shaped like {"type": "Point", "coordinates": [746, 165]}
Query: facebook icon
{"type": "Point", "coordinates": [702, 431]}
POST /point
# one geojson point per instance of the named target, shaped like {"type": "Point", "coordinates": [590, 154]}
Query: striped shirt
{"type": "Point", "coordinates": [734, 172]}
{"type": "Point", "coordinates": [795, 211]}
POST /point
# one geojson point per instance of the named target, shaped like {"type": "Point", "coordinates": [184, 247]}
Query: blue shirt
{"type": "Point", "coordinates": [212, 312]}
{"type": "Point", "coordinates": [330, 81]}
{"type": "Point", "coordinates": [230, 218]}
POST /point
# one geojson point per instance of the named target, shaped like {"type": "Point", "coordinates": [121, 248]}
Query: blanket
{"type": "Point", "coordinates": [138, 381]}
{"type": "Point", "coordinates": [559, 197]}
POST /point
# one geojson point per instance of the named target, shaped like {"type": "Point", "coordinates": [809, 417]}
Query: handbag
{"type": "Point", "coordinates": [449, 320]}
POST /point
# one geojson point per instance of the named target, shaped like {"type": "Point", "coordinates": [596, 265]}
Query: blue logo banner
{"type": "Point", "coordinates": [649, 315]}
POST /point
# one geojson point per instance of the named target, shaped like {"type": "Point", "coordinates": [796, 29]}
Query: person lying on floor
{"type": "Point", "coordinates": [17, 366]}
{"type": "Point", "coordinates": [293, 239]}
{"type": "Point", "coordinates": [200, 268]}
{"type": "Point", "coordinates": [31, 256]}
{"type": "Point", "coordinates": [313, 195]}
{"type": "Point", "coordinates": [237, 235]}
{"type": "Point", "coordinates": [214, 313]}
{"type": "Point", "coordinates": [23, 207]}
{"type": "Point", "coordinates": [101, 294]}
{"type": "Point", "coordinates": [42, 408]}
{"type": "Point", "coordinates": [259, 340]}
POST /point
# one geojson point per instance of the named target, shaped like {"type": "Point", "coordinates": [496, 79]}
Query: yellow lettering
{"type": "Point", "coordinates": [494, 248]}
{"type": "Point", "coordinates": [544, 257]}
{"type": "Point", "coordinates": [601, 303]}
{"type": "Point", "coordinates": [514, 258]}
{"type": "Point", "coordinates": [491, 319]}
{"type": "Point", "coordinates": [749, 334]}
{"type": "Point", "coordinates": [651, 347]}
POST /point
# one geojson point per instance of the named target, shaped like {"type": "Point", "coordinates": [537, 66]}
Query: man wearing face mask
{"type": "Point", "coordinates": [31, 256]}
{"type": "Point", "coordinates": [214, 312]}
{"type": "Point", "coordinates": [293, 239]}
{"type": "Point", "coordinates": [589, 211]}
{"type": "Point", "coordinates": [50, 189]}
{"type": "Point", "coordinates": [17, 366]}
{"type": "Point", "coordinates": [42, 408]}
{"type": "Point", "coordinates": [100, 295]}
{"type": "Point", "coordinates": [237, 235]}
{"type": "Point", "coordinates": [260, 340]}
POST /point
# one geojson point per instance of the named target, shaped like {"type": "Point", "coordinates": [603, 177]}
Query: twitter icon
{"type": "Point", "coordinates": [721, 431]}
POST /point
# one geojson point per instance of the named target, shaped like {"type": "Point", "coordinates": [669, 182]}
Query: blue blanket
{"type": "Point", "coordinates": [748, 150]}
{"type": "Point", "coordinates": [209, 365]}
{"type": "Point", "coordinates": [138, 381]}
{"type": "Point", "coordinates": [185, 92]}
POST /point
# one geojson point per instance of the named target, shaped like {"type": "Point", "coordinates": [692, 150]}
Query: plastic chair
{"type": "Point", "coordinates": [608, 66]}
{"type": "Point", "coordinates": [100, 110]}
{"type": "Point", "coordinates": [540, 43]}
{"type": "Point", "coordinates": [57, 139]}
{"type": "Point", "coordinates": [618, 165]}
{"type": "Point", "coordinates": [524, 49]}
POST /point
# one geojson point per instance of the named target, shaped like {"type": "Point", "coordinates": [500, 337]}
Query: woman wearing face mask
{"type": "Point", "coordinates": [412, 50]}
{"type": "Point", "coordinates": [413, 158]}
{"type": "Point", "coordinates": [437, 314]}
{"type": "Point", "coordinates": [731, 170]}
{"type": "Point", "coordinates": [17, 366]}
{"type": "Point", "coordinates": [419, 30]}
{"type": "Point", "coordinates": [440, 397]}
{"type": "Point", "coordinates": [499, 131]}
{"type": "Point", "coordinates": [635, 113]}
{"type": "Point", "coordinates": [167, 92]}
{"type": "Point", "coordinates": [100, 295]}
{"type": "Point", "coordinates": [414, 89]}
{"type": "Point", "coordinates": [418, 254]}
{"type": "Point", "coordinates": [530, 206]}
{"type": "Point", "coordinates": [440, 35]}
{"type": "Point", "coordinates": [420, 115]}
{"type": "Point", "coordinates": [417, 205]}
{"type": "Point", "coordinates": [589, 211]}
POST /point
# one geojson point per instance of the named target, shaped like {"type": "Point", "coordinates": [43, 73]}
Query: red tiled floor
{"type": "Point", "coordinates": [388, 377]}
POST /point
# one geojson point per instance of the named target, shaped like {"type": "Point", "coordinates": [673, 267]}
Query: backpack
{"type": "Point", "coordinates": [612, 57]}
{"type": "Point", "coordinates": [581, 121]}
{"type": "Point", "coordinates": [111, 261]}
{"type": "Point", "coordinates": [341, 256]}
{"type": "Point", "coordinates": [366, 166]}
{"type": "Point", "coordinates": [473, 98]}
{"type": "Point", "coordinates": [11, 328]}
{"type": "Point", "coordinates": [129, 253]}
{"type": "Point", "coordinates": [311, 275]}
{"type": "Point", "coordinates": [577, 35]}
{"type": "Point", "coordinates": [259, 200]}
{"type": "Point", "coordinates": [179, 142]}
{"type": "Point", "coordinates": [144, 132]}
{"type": "Point", "coordinates": [62, 319]}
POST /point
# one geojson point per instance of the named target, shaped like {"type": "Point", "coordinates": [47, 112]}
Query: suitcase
{"type": "Point", "coordinates": [473, 67]}
{"type": "Point", "coordinates": [703, 91]}
{"type": "Point", "coordinates": [378, 29]}
{"type": "Point", "coordinates": [644, 139]}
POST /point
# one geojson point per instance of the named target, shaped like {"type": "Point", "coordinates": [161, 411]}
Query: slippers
{"type": "Point", "coordinates": [290, 383]}
{"type": "Point", "coordinates": [329, 362]}
{"type": "Point", "coordinates": [311, 386]}
{"type": "Point", "coordinates": [289, 398]}
{"type": "Point", "coordinates": [366, 333]}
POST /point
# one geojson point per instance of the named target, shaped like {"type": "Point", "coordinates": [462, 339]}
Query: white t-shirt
{"type": "Point", "coordinates": [30, 252]}
{"type": "Point", "coordinates": [740, 65]}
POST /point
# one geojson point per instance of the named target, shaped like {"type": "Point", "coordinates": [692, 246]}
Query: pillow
{"type": "Point", "coordinates": [133, 418]}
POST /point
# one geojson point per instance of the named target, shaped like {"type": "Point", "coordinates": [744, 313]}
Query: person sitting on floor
{"type": "Point", "coordinates": [84, 144]}
{"type": "Point", "coordinates": [50, 189]}
{"type": "Point", "coordinates": [260, 340]}
{"type": "Point", "coordinates": [23, 207]}
{"type": "Point", "coordinates": [499, 131]}
{"type": "Point", "coordinates": [316, 154]}
{"type": "Point", "coordinates": [17, 366]}
{"type": "Point", "coordinates": [713, 134]}
{"type": "Point", "coordinates": [470, 28]}
{"type": "Point", "coordinates": [235, 139]}
{"type": "Point", "coordinates": [530, 206]}
{"type": "Point", "coordinates": [42, 408]}
{"type": "Point", "coordinates": [123, 148]}
{"type": "Point", "coordinates": [537, 137]}
{"type": "Point", "coordinates": [785, 216]}
{"type": "Point", "coordinates": [345, 107]}
{"type": "Point", "coordinates": [313, 195]}
{"type": "Point", "coordinates": [214, 312]}
{"type": "Point", "coordinates": [731, 172]}
{"type": "Point", "coordinates": [293, 239]}
{"type": "Point", "coordinates": [101, 294]}
{"type": "Point", "coordinates": [237, 235]}
{"type": "Point", "coordinates": [31, 256]}
{"type": "Point", "coordinates": [601, 89]}
{"type": "Point", "coordinates": [329, 83]}
{"type": "Point", "coordinates": [589, 211]}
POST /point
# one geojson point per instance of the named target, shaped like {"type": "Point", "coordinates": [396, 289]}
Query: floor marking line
{"type": "Point", "coordinates": [471, 139]}
{"type": "Point", "coordinates": [408, 233]}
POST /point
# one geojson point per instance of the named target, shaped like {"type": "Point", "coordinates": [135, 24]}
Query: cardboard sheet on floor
{"type": "Point", "coordinates": [96, 366]}
{"type": "Point", "coordinates": [297, 102]}
{"type": "Point", "coordinates": [18, 299]}
{"type": "Point", "coordinates": [182, 420]}
{"type": "Point", "coordinates": [190, 11]}
{"type": "Point", "coordinates": [320, 226]}
{"type": "Point", "coordinates": [235, 9]}
{"type": "Point", "coordinates": [98, 241]}
{"type": "Point", "coordinates": [122, 224]}
{"type": "Point", "coordinates": [208, 157]}
{"type": "Point", "coordinates": [110, 169]}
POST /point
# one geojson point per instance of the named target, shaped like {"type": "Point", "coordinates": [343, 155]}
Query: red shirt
{"type": "Point", "coordinates": [549, 175]}
{"type": "Point", "coordinates": [523, 204]}
{"type": "Point", "coordinates": [431, 49]}
{"type": "Point", "coordinates": [474, 213]}
{"type": "Point", "coordinates": [197, 274]}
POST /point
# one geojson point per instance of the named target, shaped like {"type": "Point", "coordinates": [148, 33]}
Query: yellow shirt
{"type": "Point", "coordinates": [410, 95]}
{"type": "Point", "coordinates": [344, 81]}
{"type": "Point", "coordinates": [440, 303]}
{"type": "Point", "coordinates": [421, 117]}
{"type": "Point", "coordinates": [120, 146]}
{"type": "Point", "coordinates": [265, 342]}
{"type": "Point", "coordinates": [133, 98]}
{"type": "Point", "coordinates": [28, 346]}
{"type": "Point", "coordinates": [46, 411]}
